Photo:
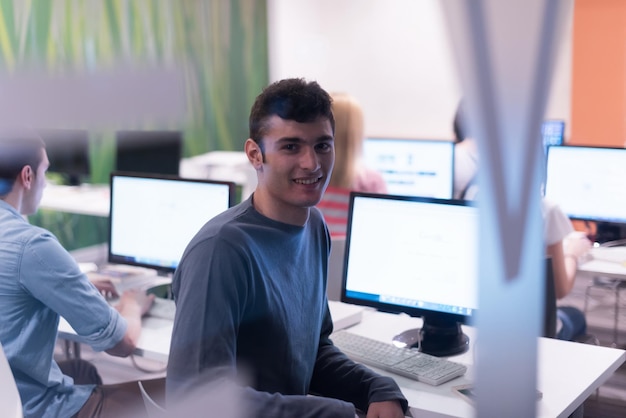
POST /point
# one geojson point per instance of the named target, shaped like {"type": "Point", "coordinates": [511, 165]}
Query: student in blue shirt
{"type": "Point", "coordinates": [40, 281]}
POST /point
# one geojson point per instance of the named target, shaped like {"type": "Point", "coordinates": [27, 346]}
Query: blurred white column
{"type": "Point", "coordinates": [505, 53]}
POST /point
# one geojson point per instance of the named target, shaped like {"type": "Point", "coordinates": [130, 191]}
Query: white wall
{"type": "Point", "coordinates": [394, 56]}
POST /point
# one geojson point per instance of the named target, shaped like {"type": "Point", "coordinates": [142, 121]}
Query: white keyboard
{"type": "Point", "coordinates": [128, 277]}
{"type": "Point", "coordinates": [143, 283]}
{"type": "Point", "coordinates": [163, 308]}
{"type": "Point", "coordinates": [402, 361]}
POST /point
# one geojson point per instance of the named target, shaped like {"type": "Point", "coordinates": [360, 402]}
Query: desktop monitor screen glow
{"type": "Point", "coordinates": [588, 183]}
{"type": "Point", "coordinates": [412, 167]}
{"type": "Point", "coordinates": [413, 255]}
{"type": "Point", "coordinates": [153, 218]}
{"type": "Point", "coordinates": [68, 152]}
{"type": "Point", "coordinates": [552, 132]}
{"type": "Point", "coordinates": [156, 152]}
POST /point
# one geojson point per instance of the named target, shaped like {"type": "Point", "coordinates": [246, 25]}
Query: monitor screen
{"type": "Point", "coordinates": [553, 132]}
{"type": "Point", "coordinates": [68, 152]}
{"type": "Point", "coordinates": [588, 183]}
{"type": "Point", "coordinates": [412, 167]}
{"type": "Point", "coordinates": [153, 218]}
{"type": "Point", "coordinates": [417, 256]}
{"type": "Point", "coordinates": [156, 152]}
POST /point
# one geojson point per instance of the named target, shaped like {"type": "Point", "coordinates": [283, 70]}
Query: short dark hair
{"type": "Point", "coordinates": [290, 99]}
{"type": "Point", "coordinates": [17, 150]}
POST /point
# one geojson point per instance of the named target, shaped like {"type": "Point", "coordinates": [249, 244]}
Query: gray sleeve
{"type": "Point", "coordinates": [337, 376]}
{"type": "Point", "coordinates": [203, 352]}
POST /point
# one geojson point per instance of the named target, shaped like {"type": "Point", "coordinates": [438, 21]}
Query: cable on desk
{"type": "Point", "coordinates": [146, 370]}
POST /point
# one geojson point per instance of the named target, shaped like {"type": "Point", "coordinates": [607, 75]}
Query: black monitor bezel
{"type": "Point", "coordinates": [68, 152]}
{"type": "Point", "coordinates": [450, 143]}
{"type": "Point", "coordinates": [136, 142]}
{"type": "Point", "coordinates": [386, 307]}
{"type": "Point", "coordinates": [118, 259]}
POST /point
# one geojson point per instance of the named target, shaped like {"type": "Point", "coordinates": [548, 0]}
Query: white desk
{"type": "Point", "coordinates": [93, 199]}
{"type": "Point", "coordinates": [568, 373]}
{"type": "Point", "coordinates": [605, 261]}
{"type": "Point", "coordinates": [222, 165]}
{"type": "Point", "coordinates": [154, 342]}
{"type": "Point", "coordinates": [156, 333]}
{"type": "Point", "coordinates": [86, 199]}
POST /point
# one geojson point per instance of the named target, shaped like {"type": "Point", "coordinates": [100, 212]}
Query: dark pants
{"type": "Point", "coordinates": [122, 400]}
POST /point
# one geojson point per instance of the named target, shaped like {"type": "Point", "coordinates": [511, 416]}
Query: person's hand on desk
{"type": "Point", "coordinates": [135, 301]}
{"type": "Point", "coordinates": [133, 304]}
{"type": "Point", "coordinates": [104, 285]}
{"type": "Point", "coordinates": [576, 244]}
{"type": "Point", "coordinates": [106, 288]}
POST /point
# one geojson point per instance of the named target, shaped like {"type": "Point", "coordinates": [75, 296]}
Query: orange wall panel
{"type": "Point", "coordinates": [599, 73]}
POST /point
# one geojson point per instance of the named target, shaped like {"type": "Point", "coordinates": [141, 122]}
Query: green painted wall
{"type": "Point", "coordinates": [220, 45]}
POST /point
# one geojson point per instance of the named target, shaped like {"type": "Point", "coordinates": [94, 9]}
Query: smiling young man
{"type": "Point", "coordinates": [251, 287]}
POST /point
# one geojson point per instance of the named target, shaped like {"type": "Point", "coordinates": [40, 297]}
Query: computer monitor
{"type": "Point", "coordinates": [588, 183]}
{"type": "Point", "coordinates": [155, 152]}
{"type": "Point", "coordinates": [417, 256]}
{"type": "Point", "coordinates": [68, 152]}
{"type": "Point", "coordinates": [153, 217]}
{"type": "Point", "coordinates": [553, 132]}
{"type": "Point", "coordinates": [412, 167]}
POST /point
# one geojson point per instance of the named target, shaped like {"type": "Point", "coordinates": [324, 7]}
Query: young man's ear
{"type": "Point", "coordinates": [26, 176]}
{"type": "Point", "coordinates": [254, 153]}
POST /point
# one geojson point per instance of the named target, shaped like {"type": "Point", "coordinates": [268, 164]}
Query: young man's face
{"type": "Point", "coordinates": [299, 159]}
{"type": "Point", "coordinates": [32, 197]}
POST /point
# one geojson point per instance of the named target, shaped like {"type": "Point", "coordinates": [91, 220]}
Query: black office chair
{"type": "Point", "coordinates": [549, 319]}
{"type": "Point", "coordinates": [570, 317]}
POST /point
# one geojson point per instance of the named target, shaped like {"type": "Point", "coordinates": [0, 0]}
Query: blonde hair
{"type": "Point", "coordinates": [349, 131]}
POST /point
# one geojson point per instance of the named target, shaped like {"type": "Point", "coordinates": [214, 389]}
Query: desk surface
{"type": "Point", "coordinates": [93, 199]}
{"type": "Point", "coordinates": [154, 342]}
{"type": "Point", "coordinates": [86, 199]}
{"type": "Point", "coordinates": [605, 261]}
{"type": "Point", "coordinates": [156, 333]}
{"type": "Point", "coordinates": [562, 391]}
